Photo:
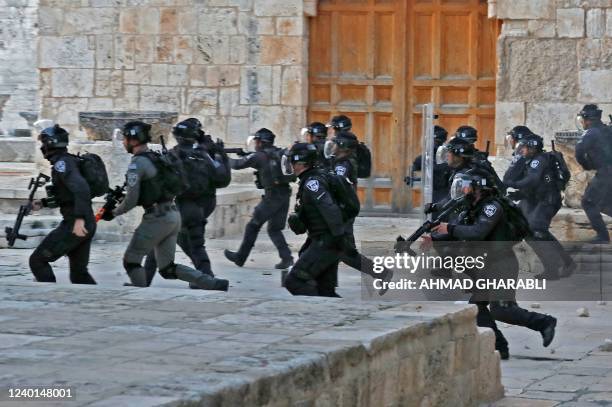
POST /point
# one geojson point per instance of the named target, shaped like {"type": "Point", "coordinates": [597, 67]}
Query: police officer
{"type": "Point", "coordinates": [540, 201]}
{"type": "Point", "coordinates": [340, 150]}
{"type": "Point", "coordinates": [441, 172]}
{"type": "Point", "coordinates": [316, 133]}
{"type": "Point", "coordinates": [594, 152]}
{"type": "Point", "coordinates": [161, 221]}
{"type": "Point", "coordinates": [274, 204]}
{"type": "Point", "coordinates": [71, 193]}
{"type": "Point", "coordinates": [485, 220]}
{"type": "Point", "coordinates": [196, 203]}
{"type": "Point", "coordinates": [339, 124]}
{"type": "Point", "coordinates": [517, 165]}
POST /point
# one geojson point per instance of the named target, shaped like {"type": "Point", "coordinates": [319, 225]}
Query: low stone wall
{"type": "Point", "coordinates": [178, 347]}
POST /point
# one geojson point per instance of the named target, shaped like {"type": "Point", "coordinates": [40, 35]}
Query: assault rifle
{"type": "Point", "coordinates": [111, 199]}
{"type": "Point", "coordinates": [163, 145]}
{"type": "Point", "coordinates": [12, 234]}
{"type": "Point", "coordinates": [238, 151]}
{"type": "Point", "coordinates": [403, 244]}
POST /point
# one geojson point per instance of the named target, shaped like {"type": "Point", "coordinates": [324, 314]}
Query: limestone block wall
{"type": "Point", "coordinates": [554, 57]}
{"type": "Point", "coordinates": [18, 73]}
{"type": "Point", "coordinates": [238, 65]}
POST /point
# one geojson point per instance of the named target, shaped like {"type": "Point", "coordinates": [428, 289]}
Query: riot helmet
{"type": "Point", "coordinates": [517, 134]}
{"type": "Point", "coordinates": [440, 135]}
{"type": "Point", "coordinates": [53, 139]}
{"type": "Point", "coordinates": [456, 147]}
{"type": "Point", "coordinates": [589, 113]}
{"type": "Point", "coordinates": [341, 123]}
{"type": "Point", "coordinates": [299, 153]}
{"type": "Point", "coordinates": [467, 133]}
{"type": "Point", "coordinates": [262, 138]}
{"type": "Point", "coordinates": [530, 146]}
{"type": "Point", "coordinates": [343, 142]}
{"type": "Point", "coordinates": [187, 131]}
{"type": "Point", "coordinates": [138, 131]}
{"type": "Point", "coordinates": [317, 130]}
{"type": "Point", "coordinates": [466, 184]}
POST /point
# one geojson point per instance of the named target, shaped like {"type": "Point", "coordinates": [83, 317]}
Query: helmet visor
{"type": "Point", "coordinates": [580, 123]}
{"type": "Point", "coordinates": [286, 166]}
{"type": "Point", "coordinates": [251, 143]}
{"type": "Point", "coordinates": [442, 154]}
{"type": "Point", "coordinates": [304, 134]}
{"type": "Point", "coordinates": [330, 149]}
{"type": "Point", "coordinates": [460, 188]}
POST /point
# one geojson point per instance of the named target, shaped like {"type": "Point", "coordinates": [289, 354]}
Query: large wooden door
{"type": "Point", "coordinates": [378, 61]}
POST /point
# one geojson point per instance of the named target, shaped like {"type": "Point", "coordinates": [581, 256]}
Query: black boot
{"type": "Point", "coordinates": [138, 277]}
{"type": "Point", "coordinates": [548, 331]}
{"type": "Point", "coordinates": [283, 265]}
{"type": "Point", "coordinates": [234, 257]}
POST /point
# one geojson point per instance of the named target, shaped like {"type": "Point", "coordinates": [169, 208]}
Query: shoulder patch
{"type": "Point", "coordinates": [60, 166]}
{"type": "Point", "coordinates": [340, 170]}
{"type": "Point", "coordinates": [490, 210]}
{"type": "Point", "coordinates": [534, 164]}
{"type": "Point", "coordinates": [313, 185]}
{"type": "Point", "coordinates": [132, 178]}
{"type": "Point", "coordinates": [132, 166]}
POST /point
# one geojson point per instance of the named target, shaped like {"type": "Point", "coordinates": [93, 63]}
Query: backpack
{"type": "Point", "coordinates": [559, 169]}
{"type": "Point", "coordinates": [92, 168]}
{"type": "Point", "coordinates": [198, 169]}
{"type": "Point", "coordinates": [278, 178]}
{"type": "Point", "coordinates": [222, 175]}
{"type": "Point", "coordinates": [170, 173]}
{"type": "Point", "coordinates": [364, 161]}
{"type": "Point", "coordinates": [516, 221]}
{"type": "Point", "coordinates": [343, 193]}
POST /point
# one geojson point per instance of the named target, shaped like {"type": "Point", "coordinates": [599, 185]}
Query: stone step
{"type": "Point", "coordinates": [17, 149]}
{"type": "Point", "coordinates": [35, 227]}
{"type": "Point", "coordinates": [17, 169]}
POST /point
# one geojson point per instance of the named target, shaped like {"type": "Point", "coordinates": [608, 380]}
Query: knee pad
{"type": "Point", "coordinates": [168, 272]}
{"type": "Point", "coordinates": [130, 266]}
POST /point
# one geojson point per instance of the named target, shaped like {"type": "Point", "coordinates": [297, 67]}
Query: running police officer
{"type": "Point", "coordinates": [199, 200]}
{"type": "Point", "coordinates": [316, 133]}
{"type": "Point", "coordinates": [274, 204]}
{"type": "Point", "coordinates": [594, 152]}
{"type": "Point", "coordinates": [540, 201]}
{"type": "Point", "coordinates": [71, 193]}
{"type": "Point", "coordinates": [517, 165]}
{"type": "Point", "coordinates": [161, 222]}
{"type": "Point", "coordinates": [485, 220]}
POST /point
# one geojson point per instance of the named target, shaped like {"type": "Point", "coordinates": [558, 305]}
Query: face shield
{"type": "Point", "coordinates": [117, 137]}
{"type": "Point", "coordinates": [442, 154]}
{"type": "Point", "coordinates": [521, 149]}
{"type": "Point", "coordinates": [286, 166]}
{"type": "Point", "coordinates": [251, 143]}
{"type": "Point", "coordinates": [460, 188]}
{"type": "Point", "coordinates": [304, 135]}
{"type": "Point", "coordinates": [580, 123]}
{"type": "Point", "coordinates": [330, 149]}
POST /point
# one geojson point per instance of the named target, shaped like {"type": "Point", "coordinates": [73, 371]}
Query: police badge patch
{"type": "Point", "coordinates": [534, 164]}
{"type": "Point", "coordinates": [132, 178]}
{"type": "Point", "coordinates": [340, 170]}
{"type": "Point", "coordinates": [60, 166]}
{"type": "Point", "coordinates": [313, 185]}
{"type": "Point", "coordinates": [490, 210]}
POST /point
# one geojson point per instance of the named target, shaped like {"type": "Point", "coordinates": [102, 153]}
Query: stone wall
{"type": "Point", "coordinates": [554, 57]}
{"type": "Point", "coordinates": [238, 65]}
{"type": "Point", "coordinates": [18, 73]}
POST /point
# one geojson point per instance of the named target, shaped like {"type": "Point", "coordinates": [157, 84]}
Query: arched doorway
{"type": "Point", "coordinates": [378, 61]}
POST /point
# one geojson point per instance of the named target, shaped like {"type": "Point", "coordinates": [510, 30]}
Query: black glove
{"type": "Point", "coordinates": [296, 225]}
{"type": "Point", "coordinates": [108, 214]}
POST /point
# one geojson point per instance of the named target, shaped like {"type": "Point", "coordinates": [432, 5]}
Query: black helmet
{"type": "Point", "coordinates": [532, 141]}
{"type": "Point", "coordinates": [467, 133]}
{"type": "Point", "coordinates": [54, 137]}
{"type": "Point", "coordinates": [317, 129]}
{"type": "Point", "coordinates": [346, 139]}
{"type": "Point", "coordinates": [590, 112]}
{"type": "Point", "coordinates": [520, 132]}
{"type": "Point", "coordinates": [460, 147]}
{"type": "Point", "coordinates": [474, 179]}
{"type": "Point", "coordinates": [341, 122]}
{"type": "Point", "coordinates": [137, 130]}
{"type": "Point", "coordinates": [303, 153]}
{"type": "Point", "coordinates": [440, 134]}
{"type": "Point", "coordinates": [190, 129]}
{"type": "Point", "coordinates": [265, 135]}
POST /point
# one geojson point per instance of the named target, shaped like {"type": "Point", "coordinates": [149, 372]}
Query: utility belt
{"type": "Point", "coordinates": [160, 209]}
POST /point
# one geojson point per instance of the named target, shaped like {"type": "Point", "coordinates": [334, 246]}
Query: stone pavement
{"type": "Point", "coordinates": [573, 371]}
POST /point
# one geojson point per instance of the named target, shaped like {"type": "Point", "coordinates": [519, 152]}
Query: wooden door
{"type": "Point", "coordinates": [377, 61]}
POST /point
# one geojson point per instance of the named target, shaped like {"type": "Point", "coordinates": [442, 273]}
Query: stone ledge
{"type": "Point", "coordinates": [206, 348]}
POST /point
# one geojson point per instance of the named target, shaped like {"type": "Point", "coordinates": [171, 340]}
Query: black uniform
{"type": "Point", "coordinates": [322, 162]}
{"type": "Point", "coordinates": [72, 194]}
{"type": "Point", "coordinates": [485, 221]}
{"type": "Point", "coordinates": [594, 152]}
{"type": "Point", "coordinates": [273, 207]}
{"type": "Point", "coordinates": [195, 207]}
{"type": "Point", "coordinates": [541, 200]}
{"type": "Point", "coordinates": [441, 176]}
{"type": "Point", "coordinates": [314, 273]}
